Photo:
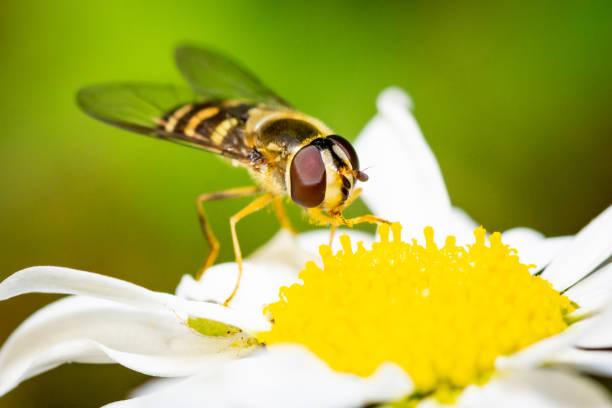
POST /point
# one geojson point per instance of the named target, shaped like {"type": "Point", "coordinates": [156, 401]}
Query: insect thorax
{"type": "Point", "coordinates": [278, 135]}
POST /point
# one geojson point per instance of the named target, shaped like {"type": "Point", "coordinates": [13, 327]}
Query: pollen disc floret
{"type": "Point", "coordinates": [443, 314]}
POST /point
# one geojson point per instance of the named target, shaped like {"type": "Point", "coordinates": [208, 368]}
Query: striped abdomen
{"type": "Point", "coordinates": [217, 123]}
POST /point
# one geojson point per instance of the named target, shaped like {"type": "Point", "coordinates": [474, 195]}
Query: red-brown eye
{"type": "Point", "coordinates": [348, 149]}
{"type": "Point", "coordinates": [308, 179]}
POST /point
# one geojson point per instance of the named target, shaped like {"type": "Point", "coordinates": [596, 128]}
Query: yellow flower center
{"type": "Point", "coordinates": [443, 314]}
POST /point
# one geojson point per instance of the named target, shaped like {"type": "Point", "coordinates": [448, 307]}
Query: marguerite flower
{"type": "Point", "coordinates": [393, 322]}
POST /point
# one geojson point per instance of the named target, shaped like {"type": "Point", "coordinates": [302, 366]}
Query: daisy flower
{"type": "Point", "coordinates": [412, 318]}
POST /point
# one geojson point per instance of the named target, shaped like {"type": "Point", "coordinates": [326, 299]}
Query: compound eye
{"type": "Point", "coordinates": [308, 178]}
{"type": "Point", "coordinates": [348, 149]}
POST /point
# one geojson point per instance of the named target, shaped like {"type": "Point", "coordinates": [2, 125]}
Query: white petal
{"type": "Point", "coordinates": [284, 249]}
{"type": "Point", "coordinates": [259, 285]}
{"type": "Point", "coordinates": [593, 292]}
{"type": "Point", "coordinates": [590, 361]}
{"type": "Point", "coordinates": [89, 330]}
{"type": "Point", "coordinates": [154, 385]}
{"type": "Point", "coordinates": [52, 279]}
{"type": "Point", "coordinates": [591, 246]}
{"type": "Point", "coordinates": [537, 353]}
{"type": "Point", "coordinates": [281, 376]}
{"type": "Point", "coordinates": [533, 247]}
{"type": "Point", "coordinates": [405, 183]}
{"type": "Point", "coordinates": [536, 389]}
{"type": "Point", "coordinates": [294, 251]}
{"type": "Point", "coordinates": [462, 226]}
{"type": "Point", "coordinates": [593, 331]}
{"type": "Point", "coordinates": [599, 333]}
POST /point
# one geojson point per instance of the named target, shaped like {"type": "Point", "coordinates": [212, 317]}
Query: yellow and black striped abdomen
{"type": "Point", "coordinates": [217, 123]}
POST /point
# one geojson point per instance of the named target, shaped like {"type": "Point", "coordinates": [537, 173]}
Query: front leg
{"type": "Point", "coordinates": [338, 219]}
{"type": "Point", "coordinates": [335, 220]}
{"type": "Point", "coordinates": [256, 205]}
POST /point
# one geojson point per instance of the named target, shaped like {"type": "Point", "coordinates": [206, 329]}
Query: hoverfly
{"type": "Point", "coordinates": [229, 112]}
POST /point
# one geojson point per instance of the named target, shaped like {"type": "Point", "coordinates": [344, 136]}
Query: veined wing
{"type": "Point", "coordinates": [147, 108]}
{"type": "Point", "coordinates": [216, 76]}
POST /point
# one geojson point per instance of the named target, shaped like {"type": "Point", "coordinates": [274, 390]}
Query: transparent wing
{"type": "Point", "coordinates": [213, 75]}
{"type": "Point", "coordinates": [141, 108]}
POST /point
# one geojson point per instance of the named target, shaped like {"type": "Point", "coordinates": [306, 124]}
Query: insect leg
{"type": "Point", "coordinates": [335, 222]}
{"type": "Point", "coordinates": [370, 219]}
{"type": "Point", "coordinates": [332, 232]}
{"type": "Point", "coordinates": [208, 234]}
{"type": "Point", "coordinates": [354, 194]}
{"type": "Point", "coordinates": [338, 219]}
{"type": "Point", "coordinates": [256, 205]}
{"type": "Point", "coordinates": [323, 219]}
{"type": "Point", "coordinates": [282, 215]}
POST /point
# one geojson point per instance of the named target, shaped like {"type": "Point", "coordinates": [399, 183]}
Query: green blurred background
{"type": "Point", "coordinates": [514, 100]}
